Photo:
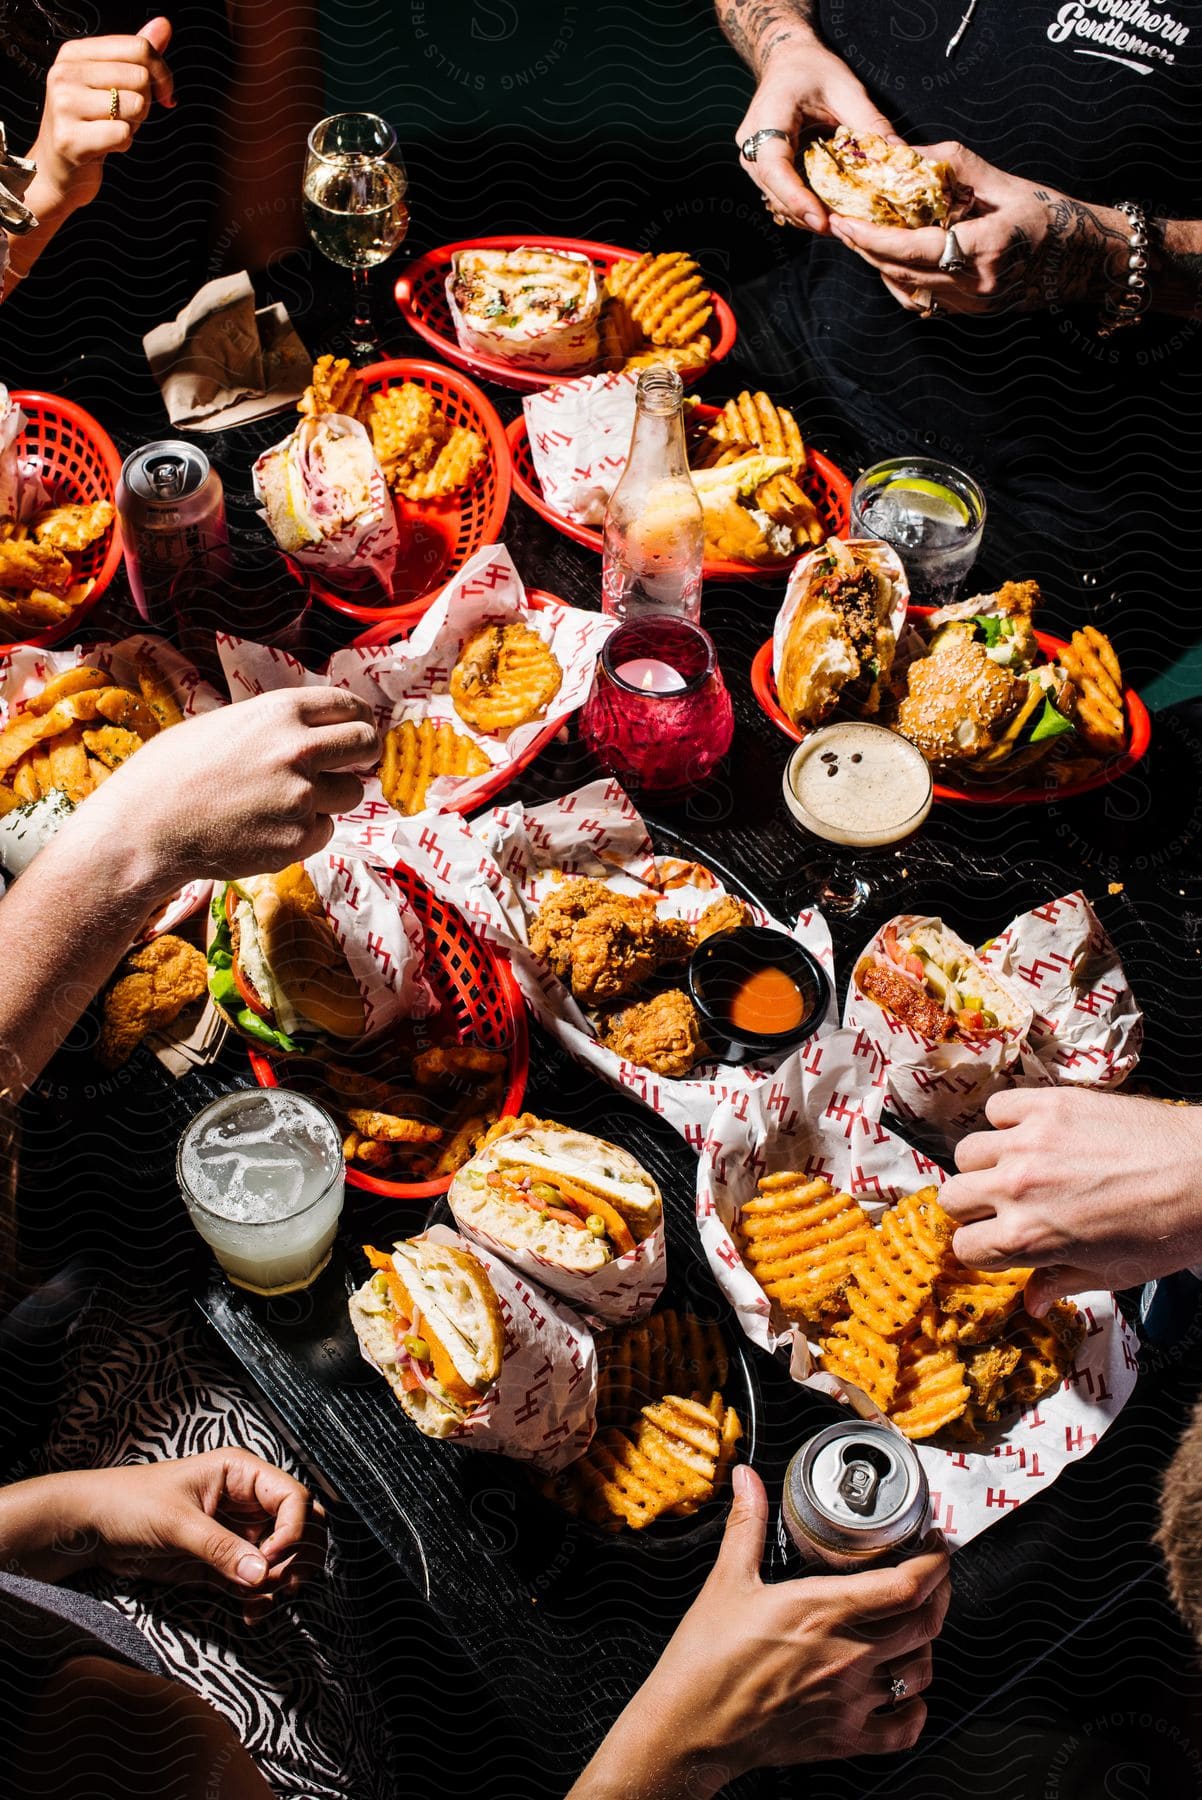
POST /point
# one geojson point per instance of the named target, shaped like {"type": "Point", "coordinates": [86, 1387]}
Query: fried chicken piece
{"type": "Point", "coordinates": [615, 949]}
{"type": "Point", "coordinates": [25, 565]}
{"type": "Point", "coordinates": [906, 1001]}
{"type": "Point", "coordinates": [663, 1034]}
{"type": "Point", "coordinates": [73, 527]}
{"type": "Point", "coordinates": [152, 988]}
{"type": "Point", "coordinates": [561, 911]}
{"type": "Point", "coordinates": [721, 916]}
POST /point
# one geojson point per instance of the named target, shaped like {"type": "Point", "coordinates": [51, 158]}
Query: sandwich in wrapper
{"type": "Point", "coordinates": [277, 972]}
{"type": "Point", "coordinates": [866, 177]}
{"type": "Point", "coordinates": [837, 632]}
{"type": "Point", "coordinates": [324, 496]}
{"type": "Point", "coordinates": [430, 1321]}
{"type": "Point", "coordinates": [926, 977]}
{"type": "Point", "coordinates": [580, 1214]}
{"type": "Point", "coordinates": [527, 306]}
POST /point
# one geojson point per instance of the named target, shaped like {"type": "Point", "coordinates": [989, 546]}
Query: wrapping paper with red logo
{"type": "Point", "coordinates": [25, 672]}
{"type": "Point", "coordinates": [1080, 1022]}
{"type": "Point", "coordinates": [380, 935]}
{"type": "Point", "coordinates": [497, 870]}
{"type": "Point", "coordinates": [551, 345]}
{"type": "Point", "coordinates": [408, 679]}
{"type": "Point", "coordinates": [820, 1116]}
{"type": "Point", "coordinates": [579, 438]}
{"type": "Point", "coordinates": [625, 1289]}
{"type": "Point", "coordinates": [542, 1408]}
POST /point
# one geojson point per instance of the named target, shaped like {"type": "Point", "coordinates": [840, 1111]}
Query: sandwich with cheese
{"type": "Point", "coordinates": [532, 306]}
{"type": "Point", "coordinates": [277, 972]}
{"type": "Point", "coordinates": [572, 1201]}
{"type": "Point", "coordinates": [323, 495]}
{"type": "Point", "coordinates": [837, 632]}
{"type": "Point", "coordinates": [925, 976]}
{"type": "Point", "coordinates": [429, 1319]}
{"type": "Point", "coordinates": [866, 177]}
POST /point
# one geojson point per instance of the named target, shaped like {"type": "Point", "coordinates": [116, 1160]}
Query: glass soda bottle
{"type": "Point", "coordinates": [654, 538]}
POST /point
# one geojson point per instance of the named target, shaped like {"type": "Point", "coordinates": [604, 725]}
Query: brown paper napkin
{"type": "Point", "coordinates": [192, 1041]}
{"type": "Point", "coordinates": [221, 363]}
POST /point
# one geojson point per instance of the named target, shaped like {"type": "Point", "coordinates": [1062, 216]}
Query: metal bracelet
{"type": "Point", "coordinates": [1136, 296]}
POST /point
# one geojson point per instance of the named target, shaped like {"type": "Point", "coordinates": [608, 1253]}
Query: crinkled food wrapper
{"type": "Point", "coordinates": [579, 439]}
{"type": "Point", "coordinates": [820, 1116]}
{"type": "Point", "coordinates": [23, 494]}
{"type": "Point", "coordinates": [559, 347]}
{"type": "Point", "coordinates": [363, 548]}
{"type": "Point", "coordinates": [542, 1408]}
{"type": "Point", "coordinates": [1085, 1027]}
{"type": "Point", "coordinates": [624, 1290]}
{"type": "Point", "coordinates": [408, 680]}
{"type": "Point", "coordinates": [380, 934]}
{"type": "Point", "coordinates": [882, 556]}
{"type": "Point", "coordinates": [497, 870]}
{"type": "Point", "coordinates": [25, 672]}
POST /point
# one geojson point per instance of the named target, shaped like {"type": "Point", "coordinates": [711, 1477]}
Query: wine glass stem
{"type": "Point", "coordinates": [362, 281]}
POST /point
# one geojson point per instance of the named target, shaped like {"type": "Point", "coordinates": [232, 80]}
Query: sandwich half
{"type": "Point", "coordinates": [928, 978]}
{"type": "Point", "coordinates": [841, 616]}
{"type": "Point", "coordinates": [866, 177]}
{"type": "Point", "coordinates": [429, 1319]}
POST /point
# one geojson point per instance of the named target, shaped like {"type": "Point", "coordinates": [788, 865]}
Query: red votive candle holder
{"type": "Point", "coordinates": [659, 716]}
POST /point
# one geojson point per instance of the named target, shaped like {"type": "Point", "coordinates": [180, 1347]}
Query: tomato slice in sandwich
{"type": "Point", "coordinates": [249, 995]}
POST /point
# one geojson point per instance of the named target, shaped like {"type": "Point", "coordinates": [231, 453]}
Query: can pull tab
{"type": "Point", "coordinates": [167, 477]}
{"type": "Point", "coordinates": [859, 1484]}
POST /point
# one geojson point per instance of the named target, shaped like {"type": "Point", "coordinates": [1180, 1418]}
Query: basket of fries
{"type": "Point", "coordinates": [446, 511]}
{"type": "Point", "coordinates": [1113, 724]}
{"type": "Point", "coordinates": [466, 1067]}
{"type": "Point", "coordinates": [628, 330]}
{"type": "Point", "coordinates": [55, 565]}
{"type": "Point", "coordinates": [825, 486]}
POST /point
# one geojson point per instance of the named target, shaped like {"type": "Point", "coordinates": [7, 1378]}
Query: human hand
{"type": "Point", "coordinates": [759, 1675]}
{"type": "Point", "coordinates": [1092, 1190]}
{"type": "Point", "coordinates": [77, 131]}
{"type": "Point", "coordinates": [242, 790]}
{"type": "Point", "coordinates": [225, 1516]}
{"type": "Point", "coordinates": [1026, 248]}
{"type": "Point", "coordinates": [802, 86]}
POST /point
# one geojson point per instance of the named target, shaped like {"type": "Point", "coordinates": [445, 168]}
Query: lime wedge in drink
{"type": "Point", "coordinates": [931, 498]}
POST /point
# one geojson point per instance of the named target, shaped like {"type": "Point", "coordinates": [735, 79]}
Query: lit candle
{"type": "Point", "coordinates": [650, 674]}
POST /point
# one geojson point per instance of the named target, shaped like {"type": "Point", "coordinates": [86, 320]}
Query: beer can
{"type": "Point", "coordinates": [854, 1495]}
{"type": "Point", "coordinates": [172, 509]}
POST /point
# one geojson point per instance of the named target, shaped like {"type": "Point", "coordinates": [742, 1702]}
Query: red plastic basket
{"type": "Point", "coordinates": [440, 534]}
{"type": "Point", "coordinates": [764, 687]}
{"type": "Point", "coordinates": [827, 486]}
{"type": "Point", "coordinates": [422, 297]}
{"type": "Point", "coordinates": [478, 998]}
{"type": "Point", "coordinates": [79, 464]}
{"type": "Point", "coordinates": [539, 601]}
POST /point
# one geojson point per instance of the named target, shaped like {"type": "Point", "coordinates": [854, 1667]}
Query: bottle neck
{"type": "Point", "coordinates": [657, 447]}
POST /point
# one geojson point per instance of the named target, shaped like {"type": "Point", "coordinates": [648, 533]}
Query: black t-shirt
{"type": "Point", "coordinates": [1101, 99]}
{"type": "Point", "coordinates": [134, 256]}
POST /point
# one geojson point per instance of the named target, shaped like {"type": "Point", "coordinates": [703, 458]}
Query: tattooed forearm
{"type": "Point", "coordinates": [755, 28]}
{"type": "Point", "coordinates": [1177, 266]}
{"type": "Point", "coordinates": [1083, 255]}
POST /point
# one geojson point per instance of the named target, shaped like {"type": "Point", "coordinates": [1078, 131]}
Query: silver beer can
{"type": "Point", "coordinates": [854, 1495]}
{"type": "Point", "coordinates": [172, 509]}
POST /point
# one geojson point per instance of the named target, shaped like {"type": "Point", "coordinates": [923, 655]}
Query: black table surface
{"type": "Point", "coordinates": [1062, 1669]}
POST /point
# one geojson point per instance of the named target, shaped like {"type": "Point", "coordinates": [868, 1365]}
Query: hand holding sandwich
{"type": "Point", "coordinates": [761, 1676]}
{"type": "Point", "coordinates": [1093, 1190]}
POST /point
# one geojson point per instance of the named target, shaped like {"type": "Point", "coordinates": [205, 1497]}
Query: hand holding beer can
{"type": "Point", "coordinates": [856, 1495]}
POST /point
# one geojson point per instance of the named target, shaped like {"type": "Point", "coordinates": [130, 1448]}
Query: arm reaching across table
{"type": "Point", "coordinates": [762, 1676]}
{"type": "Point", "coordinates": [1094, 1190]}
{"type": "Point", "coordinates": [242, 790]}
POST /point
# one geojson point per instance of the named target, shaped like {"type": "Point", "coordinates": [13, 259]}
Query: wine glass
{"type": "Point", "coordinates": [354, 203]}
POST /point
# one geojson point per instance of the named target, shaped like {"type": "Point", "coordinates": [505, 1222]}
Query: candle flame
{"type": "Point", "coordinates": [647, 679]}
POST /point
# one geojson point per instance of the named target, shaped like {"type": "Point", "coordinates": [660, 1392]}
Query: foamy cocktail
{"type": "Point", "coordinates": [262, 1175]}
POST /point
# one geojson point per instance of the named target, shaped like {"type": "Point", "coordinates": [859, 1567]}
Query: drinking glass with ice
{"type": "Point", "coordinates": [932, 513]}
{"type": "Point", "coordinates": [262, 1175]}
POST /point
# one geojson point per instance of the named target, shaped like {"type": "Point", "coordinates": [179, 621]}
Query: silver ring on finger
{"type": "Point", "coordinates": [952, 258]}
{"type": "Point", "coordinates": [778, 217]}
{"type": "Point", "coordinates": [749, 149]}
{"type": "Point", "coordinates": [898, 1689]}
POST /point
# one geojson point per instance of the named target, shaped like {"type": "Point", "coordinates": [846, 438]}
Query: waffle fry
{"type": "Point", "coordinates": [620, 337]}
{"type": "Point", "coordinates": [1099, 712]}
{"type": "Point", "coordinates": [664, 294]}
{"type": "Point", "coordinates": [423, 456]}
{"type": "Point", "coordinates": [931, 1387]}
{"type": "Point", "coordinates": [978, 1303]}
{"type": "Point", "coordinates": [335, 387]}
{"type": "Point", "coordinates": [458, 460]}
{"type": "Point", "coordinates": [853, 1351]}
{"type": "Point", "coordinates": [799, 1239]}
{"type": "Point", "coordinates": [756, 420]}
{"type": "Point", "coordinates": [415, 754]}
{"type": "Point", "coordinates": [668, 1464]}
{"type": "Point", "coordinates": [788, 504]}
{"type": "Point", "coordinates": [73, 528]}
{"type": "Point", "coordinates": [1046, 1349]}
{"type": "Point", "coordinates": [685, 357]}
{"type": "Point", "coordinates": [666, 1353]}
{"type": "Point", "coordinates": [505, 676]}
{"type": "Point", "coordinates": [894, 1277]}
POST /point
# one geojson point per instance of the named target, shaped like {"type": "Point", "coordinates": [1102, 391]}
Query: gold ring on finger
{"type": "Point", "coordinates": [114, 103]}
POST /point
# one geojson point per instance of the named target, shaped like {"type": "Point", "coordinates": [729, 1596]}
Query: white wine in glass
{"type": "Point", "coordinates": [354, 202]}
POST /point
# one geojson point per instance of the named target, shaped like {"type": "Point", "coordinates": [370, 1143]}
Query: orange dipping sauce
{"type": "Point", "coordinates": [765, 1002]}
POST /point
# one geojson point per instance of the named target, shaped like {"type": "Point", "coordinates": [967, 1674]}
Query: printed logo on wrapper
{"type": "Point", "coordinates": [380, 935]}
{"type": "Point", "coordinates": [579, 438]}
{"type": "Point", "coordinates": [552, 346]}
{"type": "Point", "coordinates": [970, 1487]}
{"type": "Point", "coordinates": [1080, 1022]}
{"type": "Point", "coordinates": [624, 1290]}
{"type": "Point", "coordinates": [25, 672]}
{"type": "Point", "coordinates": [408, 679]}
